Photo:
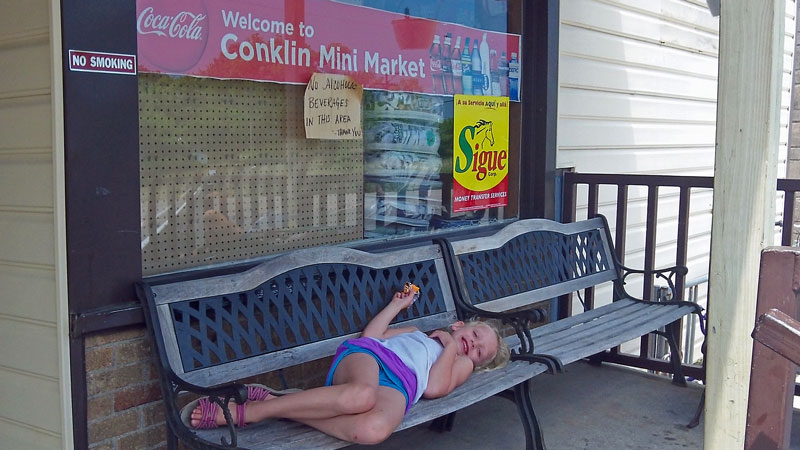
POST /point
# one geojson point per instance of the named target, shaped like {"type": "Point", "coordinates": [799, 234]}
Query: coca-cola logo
{"type": "Point", "coordinates": [184, 25]}
{"type": "Point", "coordinates": [172, 34]}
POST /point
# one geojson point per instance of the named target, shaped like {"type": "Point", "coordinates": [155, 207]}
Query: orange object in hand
{"type": "Point", "coordinates": [408, 287]}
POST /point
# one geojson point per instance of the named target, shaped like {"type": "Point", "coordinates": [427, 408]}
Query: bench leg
{"type": "Point", "coordinates": [674, 353]}
{"type": "Point", "coordinates": [533, 431]}
{"type": "Point", "coordinates": [172, 440]}
{"type": "Point", "coordinates": [696, 419]}
{"type": "Point", "coordinates": [597, 359]}
{"type": "Point", "coordinates": [444, 423]}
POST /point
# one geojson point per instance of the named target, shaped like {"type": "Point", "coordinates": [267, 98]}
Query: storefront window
{"type": "Point", "coordinates": [227, 173]}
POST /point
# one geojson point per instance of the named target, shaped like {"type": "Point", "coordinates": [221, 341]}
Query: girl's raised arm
{"type": "Point", "coordinates": [378, 327]}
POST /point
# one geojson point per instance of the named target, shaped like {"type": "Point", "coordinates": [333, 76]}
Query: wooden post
{"type": "Point", "coordinates": [769, 405]}
{"type": "Point", "coordinates": [748, 103]}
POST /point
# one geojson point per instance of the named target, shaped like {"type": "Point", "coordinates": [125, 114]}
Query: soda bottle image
{"type": "Point", "coordinates": [466, 69]}
{"type": "Point", "coordinates": [495, 73]}
{"type": "Point", "coordinates": [436, 65]}
{"type": "Point", "coordinates": [447, 71]}
{"type": "Point", "coordinates": [513, 77]}
{"type": "Point", "coordinates": [477, 75]}
{"type": "Point", "coordinates": [502, 68]}
{"type": "Point", "coordinates": [455, 64]}
{"type": "Point", "coordinates": [485, 67]}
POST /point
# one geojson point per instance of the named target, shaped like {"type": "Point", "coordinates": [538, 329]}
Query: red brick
{"type": "Point", "coordinates": [98, 407]}
{"type": "Point", "coordinates": [108, 337]}
{"type": "Point", "coordinates": [153, 414]}
{"type": "Point", "coordinates": [99, 358]}
{"type": "Point", "coordinates": [133, 396]}
{"type": "Point", "coordinates": [104, 446]}
{"type": "Point", "coordinates": [137, 350]}
{"type": "Point", "coordinates": [148, 437]}
{"type": "Point", "coordinates": [114, 379]}
{"type": "Point", "coordinates": [152, 370]}
{"type": "Point", "coordinates": [117, 425]}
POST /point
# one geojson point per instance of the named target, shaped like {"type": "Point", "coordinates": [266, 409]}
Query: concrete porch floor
{"type": "Point", "coordinates": [584, 408]}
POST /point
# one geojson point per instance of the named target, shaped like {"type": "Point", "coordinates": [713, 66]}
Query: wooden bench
{"type": "Point", "coordinates": [211, 331]}
{"type": "Point", "coordinates": [529, 262]}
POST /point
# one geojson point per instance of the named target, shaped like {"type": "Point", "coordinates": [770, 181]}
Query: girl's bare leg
{"type": "Point", "coordinates": [369, 427]}
{"type": "Point", "coordinates": [354, 391]}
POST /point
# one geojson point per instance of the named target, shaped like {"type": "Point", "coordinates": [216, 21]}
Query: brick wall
{"type": "Point", "coordinates": [124, 406]}
{"type": "Point", "coordinates": [123, 393]}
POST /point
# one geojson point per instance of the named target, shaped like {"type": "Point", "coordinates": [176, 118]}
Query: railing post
{"type": "Point", "coordinates": [769, 406]}
{"type": "Point", "coordinates": [570, 195]}
{"type": "Point", "coordinates": [649, 257]}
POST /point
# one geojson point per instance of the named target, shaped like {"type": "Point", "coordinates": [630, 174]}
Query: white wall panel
{"type": "Point", "coordinates": [28, 293]}
{"type": "Point", "coordinates": [618, 20]}
{"type": "Point", "coordinates": [688, 160]}
{"type": "Point", "coordinates": [33, 399]}
{"type": "Point", "coordinates": [20, 62]}
{"type": "Point", "coordinates": [18, 334]}
{"type": "Point", "coordinates": [18, 436]}
{"type": "Point", "coordinates": [20, 17]}
{"type": "Point", "coordinates": [677, 11]}
{"type": "Point", "coordinates": [34, 372]}
{"type": "Point", "coordinates": [603, 75]}
{"type": "Point", "coordinates": [594, 103]}
{"type": "Point", "coordinates": [624, 133]}
{"type": "Point", "coordinates": [26, 179]}
{"type": "Point", "coordinates": [28, 238]}
{"type": "Point", "coordinates": [599, 45]}
{"type": "Point", "coordinates": [25, 122]}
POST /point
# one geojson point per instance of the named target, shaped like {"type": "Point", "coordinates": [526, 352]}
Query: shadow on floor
{"type": "Point", "coordinates": [584, 408]}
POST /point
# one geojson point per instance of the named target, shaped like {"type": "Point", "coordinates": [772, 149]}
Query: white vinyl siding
{"type": "Point", "coordinates": [637, 95]}
{"type": "Point", "coordinates": [32, 367]}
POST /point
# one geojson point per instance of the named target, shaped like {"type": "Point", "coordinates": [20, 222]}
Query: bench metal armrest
{"type": "Point", "coordinates": [221, 395]}
{"type": "Point", "coordinates": [521, 321]}
{"type": "Point", "coordinates": [668, 274]}
{"type": "Point", "coordinates": [236, 392]}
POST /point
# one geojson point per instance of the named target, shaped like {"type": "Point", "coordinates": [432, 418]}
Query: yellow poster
{"type": "Point", "coordinates": [480, 152]}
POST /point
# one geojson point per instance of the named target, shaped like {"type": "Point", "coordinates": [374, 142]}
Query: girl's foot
{"type": "Point", "coordinates": [207, 414]}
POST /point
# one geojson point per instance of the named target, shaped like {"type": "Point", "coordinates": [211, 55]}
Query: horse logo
{"type": "Point", "coordinates": [484, 127]}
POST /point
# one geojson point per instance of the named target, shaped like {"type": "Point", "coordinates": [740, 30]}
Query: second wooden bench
{"type": "Point", "coordinates": [529, 262]}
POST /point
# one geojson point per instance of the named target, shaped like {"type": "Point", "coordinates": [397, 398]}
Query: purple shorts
{"type": "Point", "coordinates": [393, 372]}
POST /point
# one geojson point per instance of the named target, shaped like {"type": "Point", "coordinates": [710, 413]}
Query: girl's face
{"type": "Point", "coordinates": [478, 342]}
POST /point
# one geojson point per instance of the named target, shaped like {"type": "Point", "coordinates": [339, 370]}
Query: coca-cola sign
{"type": "Point", "coordinates": [175, 33]}
{"type": "Point", "coordinates": [183, 25]}
{"type": "Point", "coordinates": [286, 41]}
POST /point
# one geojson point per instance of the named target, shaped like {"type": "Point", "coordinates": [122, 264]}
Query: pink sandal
{"type": "Point", "coordinates": [209, 409]}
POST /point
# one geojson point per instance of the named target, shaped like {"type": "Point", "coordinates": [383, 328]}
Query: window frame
{"type": "Point", "coordinates": [101, 121]}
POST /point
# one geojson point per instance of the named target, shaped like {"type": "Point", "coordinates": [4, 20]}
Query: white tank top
{"type": "Point", "coordinates": [418, 352]}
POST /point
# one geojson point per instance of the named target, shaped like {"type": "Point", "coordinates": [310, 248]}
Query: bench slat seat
{"type": "Point", "coordinates": [572, 343]}
{"type": "Point", "coordinates": [286, 434]}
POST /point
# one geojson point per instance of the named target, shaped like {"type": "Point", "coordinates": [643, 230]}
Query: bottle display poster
{"type": "Point", "coordinates": [480, 152]}
{"type": "Point", "coordinates": [288, 41]}
{"type": "Point", "coordinates": [332, 107]}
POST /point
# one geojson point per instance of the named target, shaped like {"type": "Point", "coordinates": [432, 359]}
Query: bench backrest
{"type": "Point", "coordinates": [294, 308]}
{"type": "Point", "coordinates": [533, 260]}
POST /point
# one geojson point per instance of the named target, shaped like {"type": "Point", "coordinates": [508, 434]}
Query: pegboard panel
{"type": "Point", "coordinates": [227, 174]}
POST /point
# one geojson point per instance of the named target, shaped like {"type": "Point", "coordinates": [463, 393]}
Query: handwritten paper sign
{"type": "Point", "coordinates": [333, 107]}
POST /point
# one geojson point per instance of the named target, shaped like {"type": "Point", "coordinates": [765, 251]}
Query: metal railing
{"type": "Point", "coordinates": [653, 183]}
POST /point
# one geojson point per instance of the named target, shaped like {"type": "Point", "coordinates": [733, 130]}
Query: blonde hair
{"type": "Point", "coordinates": [503, 354]}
